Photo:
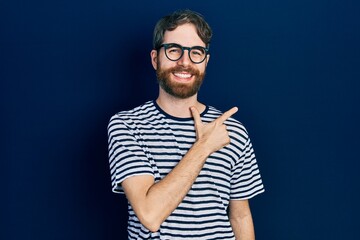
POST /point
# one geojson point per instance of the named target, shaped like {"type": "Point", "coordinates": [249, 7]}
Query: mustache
{"type": "Point", "coordinates": [184, 69]}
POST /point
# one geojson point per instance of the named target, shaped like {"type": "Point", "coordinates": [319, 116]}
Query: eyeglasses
{"type": "Point", "coordinates": [174, 52]}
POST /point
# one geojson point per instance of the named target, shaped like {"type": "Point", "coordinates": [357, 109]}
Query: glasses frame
{"type": "Point", "coordinates": [167, 45]}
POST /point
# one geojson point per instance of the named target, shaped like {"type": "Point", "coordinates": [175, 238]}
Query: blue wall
{"type": "Point", "coordinates": [292, 67]}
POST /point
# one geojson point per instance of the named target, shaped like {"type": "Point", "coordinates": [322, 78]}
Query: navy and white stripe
{"type": "Point", "coordinates": [146, 140]}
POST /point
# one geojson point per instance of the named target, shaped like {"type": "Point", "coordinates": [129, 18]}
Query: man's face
{"type": "Point", "coordinates": [181, 78]}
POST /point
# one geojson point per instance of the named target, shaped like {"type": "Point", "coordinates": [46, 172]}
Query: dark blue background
{"type": "Point", "coordinates": [292, 67]}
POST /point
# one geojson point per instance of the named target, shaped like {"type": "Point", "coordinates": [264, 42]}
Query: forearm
{"type": "Point", "coordinates": [241, 220]}
{"type": "Point", "coordinates": [162, 198]}
{"type": "Point", "coordinates": [171, 190]}
{"type": "Point", "coordinates": [243, 228]}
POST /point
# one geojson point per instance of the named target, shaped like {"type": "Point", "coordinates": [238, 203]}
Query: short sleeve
{"type": "Point", "coordinates": [126, 155]}
{"type": "Point", "coordinates": [246, 179]}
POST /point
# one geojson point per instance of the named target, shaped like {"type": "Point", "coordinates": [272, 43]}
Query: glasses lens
{"type": "Point", "coordinates": [197, 54]}
{"type": "Point", "coordinates": [174, 52]}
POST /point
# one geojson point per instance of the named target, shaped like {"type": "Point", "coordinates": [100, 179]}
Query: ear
{"type": "Point", "coordinates": [153, 55]}
{"type": "Point", "coordinates": [207, 60]}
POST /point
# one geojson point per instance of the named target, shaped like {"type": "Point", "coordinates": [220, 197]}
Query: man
{"type": "Point", "coordinates": [186, 169]}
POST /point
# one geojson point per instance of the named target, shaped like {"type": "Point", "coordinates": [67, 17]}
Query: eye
{"type": "Point", "coordinates": [174, 50]}
{"type": "Point", "coordinates": [198, 51]}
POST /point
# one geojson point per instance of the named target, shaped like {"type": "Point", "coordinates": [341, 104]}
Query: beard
{"type": "Point", "coordinates": [177, 89]}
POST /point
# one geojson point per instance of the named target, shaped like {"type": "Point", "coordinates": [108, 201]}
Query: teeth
{"type": "Point", "coordinates": [182, 75]}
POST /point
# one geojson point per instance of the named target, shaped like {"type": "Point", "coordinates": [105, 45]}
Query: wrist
{"type": "Point", "coordinates": [203, 147]}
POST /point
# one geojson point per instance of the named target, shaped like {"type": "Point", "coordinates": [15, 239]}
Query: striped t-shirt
{"type": "Point", "coordinates": [148, 141]}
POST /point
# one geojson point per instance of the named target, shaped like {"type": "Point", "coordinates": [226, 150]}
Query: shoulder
{"type": "Point", "coordinates": [127, 120]}
{"type": "Point", "coordinates": [135, 112]}
{"type": "Point", "coordinates": [133, 115]}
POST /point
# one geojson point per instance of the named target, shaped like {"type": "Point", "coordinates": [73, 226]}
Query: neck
{"type": "Point", "coordinates": [178, 107]}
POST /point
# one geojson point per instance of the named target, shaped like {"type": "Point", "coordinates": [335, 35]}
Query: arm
{"type": "Point", "coordinates": [241, 220]}
{"type": "Point", "coordinates": [154, 202]}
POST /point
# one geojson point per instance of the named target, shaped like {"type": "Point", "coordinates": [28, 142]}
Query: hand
{"type": "Point", "coordinates": [213, 135]}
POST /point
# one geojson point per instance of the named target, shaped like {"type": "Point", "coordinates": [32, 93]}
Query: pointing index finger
{"type": "Point", "coordinates": [227, 114]}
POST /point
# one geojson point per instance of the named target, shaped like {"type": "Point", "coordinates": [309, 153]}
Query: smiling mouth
{"type": "Point", "coordinates": [183, 75]}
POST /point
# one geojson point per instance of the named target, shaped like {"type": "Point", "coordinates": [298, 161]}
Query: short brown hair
{"type": "Point", "coordinates": [180, 17]}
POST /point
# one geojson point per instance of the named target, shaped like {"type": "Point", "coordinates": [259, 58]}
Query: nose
{"type": "Point", "coordinates": [185, 59]}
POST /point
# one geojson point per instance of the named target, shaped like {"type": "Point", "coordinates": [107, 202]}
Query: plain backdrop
{"type": "Point", "coordinates": [292, 68]}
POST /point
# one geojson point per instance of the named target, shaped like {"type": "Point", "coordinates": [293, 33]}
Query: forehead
{"type": "Point", "coordinates": [185, 35]}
